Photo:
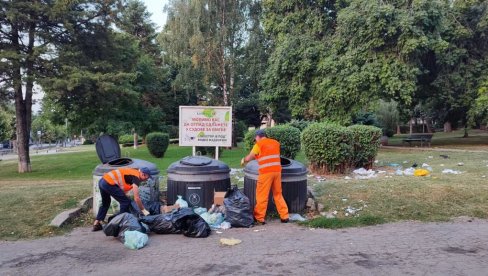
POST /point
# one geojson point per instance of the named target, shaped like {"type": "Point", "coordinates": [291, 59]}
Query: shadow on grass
{"type": "Point", "coordinates": [337, 223]}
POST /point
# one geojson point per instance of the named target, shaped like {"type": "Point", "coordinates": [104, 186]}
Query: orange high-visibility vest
{"type": "Point", "coordinates": [269, 156]}
{"type": "Point", "coordinates": [116, 177]}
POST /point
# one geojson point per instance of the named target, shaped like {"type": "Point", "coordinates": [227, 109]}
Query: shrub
{"type": "Point", "coordinates": [172, 131]}
{"type": "Point", "coordinates": [288, 136]}
{"type": "Point", "coordinates": [327, 146]}
{"type": "Point", "coordinates": [128, 139]}
{"type": "Point", "coordinates": [240, 129]}
{"type": "Point", "coordinates": [300, 124]}
{"type": "Point", "coordinates": [388, 115]}
{"type": "Point", "coordinates": [88, 142]}
{"type": "Point", "coordinates": [157, 143]}
{"type": "Point", "coordinates": [365, 143]}
{"type": "Point", "coordinates": [209, 151]}
{"type": "Point", "coordinates": [365, 118]}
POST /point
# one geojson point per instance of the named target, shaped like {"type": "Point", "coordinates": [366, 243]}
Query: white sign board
{"type": "Point", "coordinates": [206, 126]}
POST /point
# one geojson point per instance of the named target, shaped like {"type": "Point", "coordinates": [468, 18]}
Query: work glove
{"type": "Point", "coordinates": [243, 162]}
{"type": "Point", "coordinates": [145, 212]}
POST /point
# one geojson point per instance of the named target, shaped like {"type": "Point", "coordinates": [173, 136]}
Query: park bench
{"type": "Point", "coordinates": [418, 137]}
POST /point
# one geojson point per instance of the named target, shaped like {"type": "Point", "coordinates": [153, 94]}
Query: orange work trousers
{"type": "Point", "coordinates": [266, 182]}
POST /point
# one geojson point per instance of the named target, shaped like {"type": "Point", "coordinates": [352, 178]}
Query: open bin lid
{"type": "Point", "coordinates": [108, 148]}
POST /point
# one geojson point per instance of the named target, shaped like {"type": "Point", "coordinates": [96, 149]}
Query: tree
{"type": "Point", "coordinates": [6, 124]}
{"type": "Point", "coordinates": [29, 31]}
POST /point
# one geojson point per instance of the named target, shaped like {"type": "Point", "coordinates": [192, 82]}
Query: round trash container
{"type": "Point", "coordinates": [196, 178]}
{"type": "Point", "coordinates": [293, 183]}
{"type": "Point", "coordinates": [108, 151]}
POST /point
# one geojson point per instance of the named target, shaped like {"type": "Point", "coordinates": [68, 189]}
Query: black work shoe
{"type": "Point", "coordinates": [285, 220]}
{"type": "Point", "coordinates": [97, 227]}
{"type": "Point", "coordinates": [258, 223]}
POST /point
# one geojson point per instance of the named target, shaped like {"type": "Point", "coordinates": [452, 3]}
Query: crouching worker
{"type": "Point", "coordinates": [267, 152]}
{"type": "Point", "coordinates": [116, 184]}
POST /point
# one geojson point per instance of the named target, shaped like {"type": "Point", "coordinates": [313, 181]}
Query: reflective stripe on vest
{"type": "Point", "coordinates": [269, 165]}
{"type": "Point", "coordinates": [269, 157]}
{"type": "Point", "coordinates": [117, 180]}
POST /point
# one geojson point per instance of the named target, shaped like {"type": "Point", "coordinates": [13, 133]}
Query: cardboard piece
{"type": "Point", "coordinates": [169, 208]}
{"type": "Point", "coordinates": [219, 198]}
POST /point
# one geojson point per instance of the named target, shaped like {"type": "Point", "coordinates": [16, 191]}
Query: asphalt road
{"type": "Point", "coordinates": [407, 248]}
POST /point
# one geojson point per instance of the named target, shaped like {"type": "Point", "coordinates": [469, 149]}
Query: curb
{"type": "Point", "coordinates": [68, 215]}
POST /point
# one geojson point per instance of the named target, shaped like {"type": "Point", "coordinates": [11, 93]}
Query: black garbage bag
{"type": "Point", "coordinates": [121, 223]}
{"type": "Point", "coordinates": [161, 224]}
{"type": "Point", "coordinates": [197, 227]}
{"type": "Point", "coordinates": [238, 210]}
{"type": "Point", "coordinates": [183, 221]}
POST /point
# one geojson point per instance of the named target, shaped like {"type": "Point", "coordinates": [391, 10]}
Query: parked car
{"type": "Point", "coordinates": [6, 145]}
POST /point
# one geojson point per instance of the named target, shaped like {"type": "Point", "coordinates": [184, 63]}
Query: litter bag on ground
{"type": "Point", "coordinates": [161, 224]}
{"type": "Point", "coordinates": [135, 239]}
{"type": "Point", "coordinates": [238, 208]}
{"type": "Point", "coordinates": [196, 227]}
{"type": "Point", "coordinates": [121, 223]}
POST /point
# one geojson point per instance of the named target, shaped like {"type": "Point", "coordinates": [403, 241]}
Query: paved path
{"type": "Point", "coordinates": [408, 248]}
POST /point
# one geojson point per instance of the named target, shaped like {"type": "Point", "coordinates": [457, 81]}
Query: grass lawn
{"type": "Point", "coordinates": [58, 181]}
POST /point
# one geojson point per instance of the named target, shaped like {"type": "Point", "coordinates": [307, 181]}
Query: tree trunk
{"type": "Point", "coordinates": [410, 125]}
{"type": "Point", "coordinates": [465, 131]}
{"type": "Point", "coordinates": [135, 140]}
{"type": "Point", "coordinates": [398, 131]}
{"type": "Point", "coordinates": [428, 123]}
{"type": "Point", "coordinates": [447, 127]}
{"type": "Point", "coordinates": [23, 106]}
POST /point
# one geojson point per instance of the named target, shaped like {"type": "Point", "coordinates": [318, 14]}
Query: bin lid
{"type": "Point", "coordinates": [288, 167]}
{"type": "Point", "coordinates": [108, 148]}
{"type": "Point", "coordinates": [195, 165]}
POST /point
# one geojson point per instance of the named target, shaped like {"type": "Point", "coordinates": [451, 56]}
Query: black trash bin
{"type": "Point", "coordinates": [293, 182]}
{"type": "Point", "coordinates": [196, 178]}
{"type": "Point", "coordinates": [108, 151]}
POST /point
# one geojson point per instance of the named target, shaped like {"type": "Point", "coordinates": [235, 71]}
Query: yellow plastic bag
{"type": "Point", "coordinates": [230, 241]}
{"type": "Point", "coordinates": [421, 172]}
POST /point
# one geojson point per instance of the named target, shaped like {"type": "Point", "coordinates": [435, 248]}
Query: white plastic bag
{"type": "Point", "coordinates": [180, 201]}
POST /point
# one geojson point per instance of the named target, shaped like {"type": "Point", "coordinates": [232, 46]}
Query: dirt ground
{"type": "Point", "coordinates": [408, 248]}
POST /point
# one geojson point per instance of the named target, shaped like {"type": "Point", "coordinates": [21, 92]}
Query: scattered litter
{"type": "Point", "coordinates": [200, 210]}
{"type": "Point", "coordinates": [344, 199]}
{"type": "Point", "coordinates": [347, 178]}
{"type": "Point", "coordinates": [259, 230]}
{"type": "Point", "coordinates": [364, 174]}
{"type": "Point", "coordinates": [405, 162]}
{"type": "Point", "coordinates": [235, 171]}
{"type": "Point", "coordinates": [442, 165]}
{"type": "Point", "coordinates": [421, 172]}
{"type": "Point", "coordinates": [460, 164]}
{"type": "Point", "coordinates": [230, 241]}
{"type": "Point", "coordinates": [296, 217]}
{"type": "Point", "coordinates": [310, 175]}
{"type": "Point", "coordinates": [414, 165]}
{"type": "Point", "coordinates": [449, 171]}
{"type": "Point", "coordinates": [394, 165]}
{"type": "Point", "coordinates": [399, 172]}
{"type": "Point", "coordinates": [214, 220]}
{"type": "Point", "coordinates": [335, 213]}
{"type": "Point", "coordinates": [241, 179]}
{"type": "Point", "coordinates": [483, 176]}
{"type": "Point", "coordinates": [376, 161]}
{"type": "Point", "coordinates": [430, 156]}
{"type": "Point", "coordinates": [409, 171]}
{"type": "Point", "coordinates": [444, 156]}
{"type": "Point", "coordinates": [320, 178]}
{"type": "Point", "coordinates": [225, 225]}
{"type": "Point", "coordinates": [381, 171]}
{"type": "Point", "coordinates": [352, 210]}
{"type": "Point", "coordinates": [218, 232]}
{"type": "Point", "coordinates": [427, 167]}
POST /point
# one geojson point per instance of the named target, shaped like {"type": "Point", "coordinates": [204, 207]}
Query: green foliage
{"type": "Point", "coordinates": [6, 122]}
{"type": "Point", "coordinates": [172, 131]}
{"type": "Point", "coordinates": [249, 140]}
{"type": "Point", "coordinates": [300, 124]}
{"type": "Point", "coordinates": [289, 138]}
{"type": "Point", "coordinates": [388, 116]}
{"type": "Point", "coordinates": [365, 118]}
{"type": "Point", "coordinates": [157, 143]}
{"type": "Point", "coordinates": [365, 143]}
{"type": "Point", "coordinates": [328, 147]}
{"type": "Point", "coordinates": [209, 151]}
{"type": "Point", "coordinates": [240, 129]}
{"type": "Point", "coordinates": [128, 139]}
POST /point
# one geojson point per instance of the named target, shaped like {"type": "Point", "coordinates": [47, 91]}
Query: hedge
{"type": "Point", "coordinates": [365, 142]}
{"type": "Point", "coordinates": [157, 143]}
{"type": "Point", "coordinates": [327, 147]}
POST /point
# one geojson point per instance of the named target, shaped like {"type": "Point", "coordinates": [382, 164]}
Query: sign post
{"type": "Point", "coordinates": [205, 126]}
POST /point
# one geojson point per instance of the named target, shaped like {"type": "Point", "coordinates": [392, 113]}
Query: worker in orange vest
{"type": "Point", "coordinates": [267, 152]}
{"type": "Point", "coordinates": [116, 184]}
